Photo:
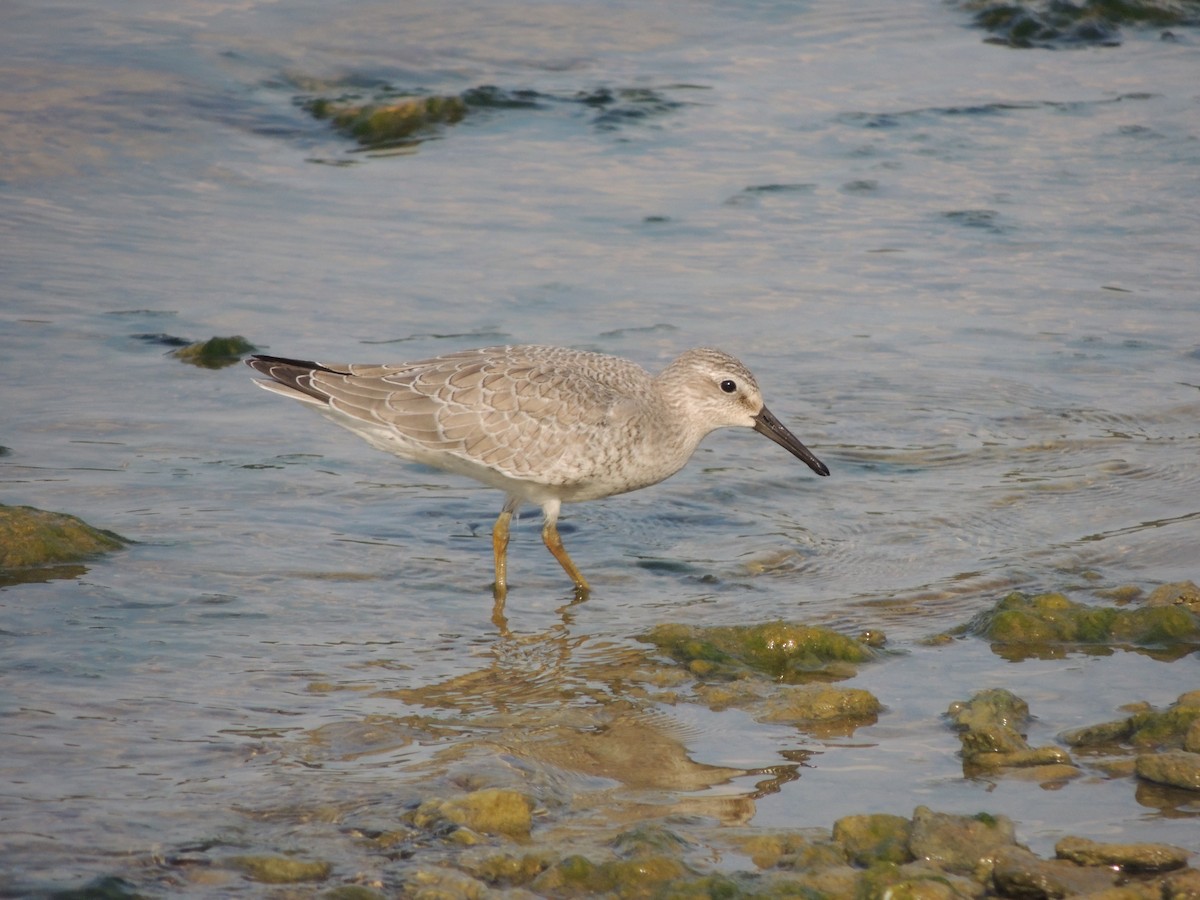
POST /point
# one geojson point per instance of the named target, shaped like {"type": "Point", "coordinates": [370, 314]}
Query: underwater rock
{"type": "Point", "coordinates": [35, 537]}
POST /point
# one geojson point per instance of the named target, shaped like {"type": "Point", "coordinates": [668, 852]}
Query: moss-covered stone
{"type": "Point", "coordinates": [810, 704]}
{"type": "Point", "coordinates": [1177, 768]}
{"type": "Point", "coordinates": [964, 845]}
{"type": "Point", "coordinates": [871, 839]}
{"type": "Point", "coordinates": [1041, 625]}
{"type": "Point", "coordinates": [1048, 23]}
{"type": "Point", "coordinates": [215, 353]}
{"type": "Point", "coordinates": [107, 887]}
{"type": "Point", "coordinates": [510, 870]}
{"type": "Point", "coordinates": [1176, 593]}
{"type": "Point", "coordinates": [391, 122]}
{"type": "Point", "coordinates": [1167, 728]}
{"type": "Point", "coordinates": [788, 652]}
{"type": "Point", "coordinates": [351, 892]}
{"type": "Point", "coordinates": [1016, 872]}
{"type": "Point", "coordinates": [487, 811]}
{"type": "Point", "coordinates": [281, 869]}
{"type": "Point", "coordinates": [1127, 857]}
{"type": "Point", "coordinates": [991, 728]}
{"type": "Point", "coordinates": [35, 537]}
{"type": "Point", "coordinates": [641, 877]}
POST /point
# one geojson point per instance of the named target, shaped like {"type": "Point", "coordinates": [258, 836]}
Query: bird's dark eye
{"type": "Point", "coordinates": [729, 385]}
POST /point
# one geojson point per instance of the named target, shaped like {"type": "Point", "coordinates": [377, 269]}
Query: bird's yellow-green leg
{"type": "Point", "coordinates": [555, 545]}
{"type": "Point", "coordinates": [500, 548]}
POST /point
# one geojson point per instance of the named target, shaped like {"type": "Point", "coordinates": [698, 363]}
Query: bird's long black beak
{"type": "Point", "coordinates": [765, 423]}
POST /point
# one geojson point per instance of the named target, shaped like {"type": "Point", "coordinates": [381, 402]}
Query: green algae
{"type": "Point", "coordinates": [31, 537]}
{"type": "Point", "coordinates": [787, 652]}
{"type": "Point", "coordinates": [215, 353]}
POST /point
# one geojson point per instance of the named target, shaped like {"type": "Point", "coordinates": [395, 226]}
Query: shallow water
{"type": "Point", "coordinates": [964, 275]}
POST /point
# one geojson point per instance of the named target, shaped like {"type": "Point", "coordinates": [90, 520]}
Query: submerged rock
{"type": "Point", "coordinates": [786, 651]}
{"type": "Point", "coordinates": [215, 353]}
{"type": "Point", "coordinates": [34, 537]}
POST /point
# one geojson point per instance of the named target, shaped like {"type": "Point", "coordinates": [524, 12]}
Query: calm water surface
{"type": "Point", "coordinates": [965, 275]}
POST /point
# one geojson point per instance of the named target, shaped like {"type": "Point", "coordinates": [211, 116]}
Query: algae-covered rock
{"type": "Point", "coordinates": [106, 887]}
{"type": "Point", "coordinates": [785, 651]}
{"type": "Point", "coordinates": [510, 870]}
{"type": "Point", "coordinates": [1043, 625]}
{"type": "Point", "coordinates": [1177, 768]}
{"type": "Point", "coordinates": [877, 838]}
{"type": "Point", "coordinates": [281, 869]}
{"type": "Point", "coordinates": [1017, 872]}
{"type": "Point", "coordinates": [351, 892]}
{"type": "Point", "coordinates": [965, 845]}
{"type": "Point", "coordinates": [1051, 23]}
{"type": "Point", "coordinates": [35, 537]}
{"type": "Point", "coordinates": [487, 811]}
{"type": "Point", "coordinates": [809, 704]}
{"type": "Point", "coordinates": [916, 881]}
{"type": "Point", "coordinates": [1127, 857]}
{"type": "Point", "coordinates": [215, 353]}
{"type": "Point", "coordinates": [991, 727]}
{"type": "Point", "coordinates": [792, 851]}
{"type": "Point", "coordinates": [1167, 728]}
{"type": "Point", "coordinates": [578, 875]}
{"type": "Point", "coordinates": [390, 122]}
{"type": "Point", "coordinates": [1176, 593]}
